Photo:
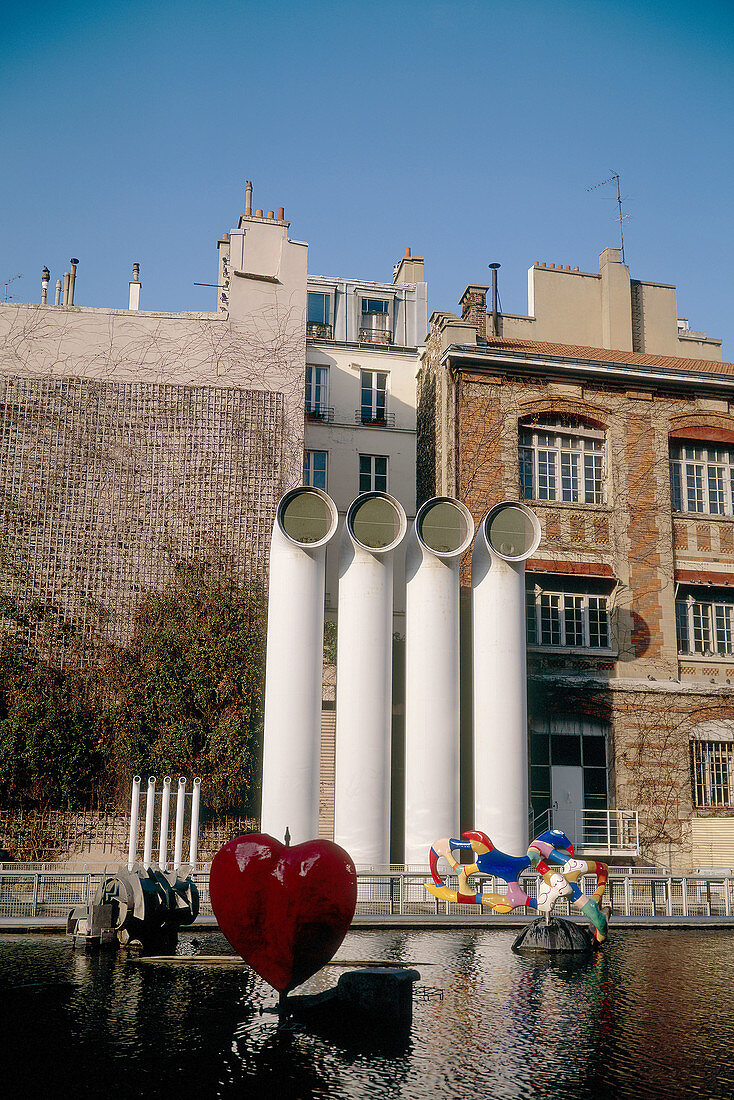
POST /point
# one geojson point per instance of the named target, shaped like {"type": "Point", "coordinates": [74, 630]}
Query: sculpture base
{"type": "Point", "coordinates": [556, 935]}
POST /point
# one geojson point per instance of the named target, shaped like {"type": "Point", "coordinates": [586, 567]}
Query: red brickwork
{"type": "Point", "coordinates": [644, 557]}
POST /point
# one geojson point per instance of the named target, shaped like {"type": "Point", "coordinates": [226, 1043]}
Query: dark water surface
{"type": "Point", "coordinates": [650, 1016]}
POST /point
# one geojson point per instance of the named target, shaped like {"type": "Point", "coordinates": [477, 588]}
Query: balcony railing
{"type": "Point", "coordinates": [377, 420]}
{"type": "Point", "coordinates": [324, 413]}
{"type": "Point", "coordinates": [594, 832]}
{"type": "Point", "coordinates": [318, 330]}
{"type": "Point", "coordinates": [375, 336]}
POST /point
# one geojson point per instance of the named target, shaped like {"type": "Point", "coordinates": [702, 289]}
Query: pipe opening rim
{"type": "Point", "coordinates": [319, 528]}
{"type": "Point", "coordinates": [376, 522]}
{"type": "Point", "coordinates": [465, 518]}
{"type": "Point", "coordinates": [517, 537]}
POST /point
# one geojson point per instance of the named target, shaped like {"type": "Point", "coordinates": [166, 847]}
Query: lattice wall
{"type": "Point", "coordinates": [104, 486]}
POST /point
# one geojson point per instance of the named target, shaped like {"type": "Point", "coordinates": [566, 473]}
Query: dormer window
{"type": "Point", "coordinates": [318, 325]}
{"type": "Point", "coordinates": [375, 323]}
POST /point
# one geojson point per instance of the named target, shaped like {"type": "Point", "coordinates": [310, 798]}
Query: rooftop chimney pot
{"type": "Point", "coordinates": [258, 213]}
{"type": "Point", "coordinates": [271, 214]}
{"type": "Point", "coordinates": [281, 213]}
{"type": "Point", "coordinates": [248, 197]}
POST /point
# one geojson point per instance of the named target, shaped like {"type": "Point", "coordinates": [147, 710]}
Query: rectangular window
{"type": "Point", "coordinates": [702, 478]}
{"type": "Point", "coordinates": [314, 469]}
{"type": "Point", "coordinates": [374, 325]}
{"type": "Point", "coordinates": [572, 619]}
{"type": "Point", "coordinates": [373, 405]}
{"type": "Point", "coordinates": [318, 308]}
{"type": "Point", "coordinates": [711, 773]}
{"type": "Point", "coordinates": [561, 462]}
{"type": "Point", "coordinates": [705, 626]}
{"type": "Point", "coordinates": [317, 382]}
{"type": "Point", "coordinates": [372, 474]}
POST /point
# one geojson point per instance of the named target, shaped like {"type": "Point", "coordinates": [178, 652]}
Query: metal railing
{"type": "Point", "coordinates": [595, 832]}
{"type": "Point", "coordinates": [375, 336]}
{"type": "Point", "coordinates": [378, 420]}
{"type": "Point", "coordinates": [321, 412]}
{"type": "Point", "coordinates": [51, 892]}
{"type": "Point", "coordinates": [319, 330]}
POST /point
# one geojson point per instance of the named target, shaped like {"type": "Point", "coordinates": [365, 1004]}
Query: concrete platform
{"type": "Point", "coordinates": [420, 922]}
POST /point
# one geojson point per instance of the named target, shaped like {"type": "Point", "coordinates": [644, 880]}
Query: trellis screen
{"type": "Point", "coordinates": [104, 486]}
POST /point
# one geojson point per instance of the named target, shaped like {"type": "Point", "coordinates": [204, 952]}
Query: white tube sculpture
{"type": "Point", "coordinates": [194, 833]}
{"type": "Point", "coordinates": [163, 837]}
{"type": "Point", "coordinates": [442, 532]}
{"type": "Point", "coordinates": [375, 525]}
{"type": "Point", "coordinates": [180, 811]}
{"type": "Point", "coordinates": [132, 849]}
{"type": "Point", "coordinates": [305, 522]}
{"type": "Point", "coordinates": [508, 535]}
{"type": "Point", "coordinates": [149, 816]}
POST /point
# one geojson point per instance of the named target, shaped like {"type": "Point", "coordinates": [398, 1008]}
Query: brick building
{"type": "Point", "coordinates": [615, 423]}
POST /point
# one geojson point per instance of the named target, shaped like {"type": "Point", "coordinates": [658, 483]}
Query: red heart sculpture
{"type": "Point", "coordinates": [284, 910]}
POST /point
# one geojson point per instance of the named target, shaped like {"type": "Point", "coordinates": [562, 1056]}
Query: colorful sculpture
{"type": "Point", "coordinates": [284, 910]}
{"type": "Point", "coordinates": [560, 881]}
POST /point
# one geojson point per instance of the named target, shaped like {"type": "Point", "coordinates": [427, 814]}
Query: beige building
{"type": "Point", "coordinates": [134, 439]}
{"type": "Point", "coordinates": [363, 345]}
{"type": "Point", "coordinates": [615, 424]}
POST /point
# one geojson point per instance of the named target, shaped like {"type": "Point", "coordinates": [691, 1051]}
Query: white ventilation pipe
{"type": "Point", "coordinates": [375, 525]}
{"type": "Point", "coordinates": [306, 520]}
{"type": "Point", "coordinates": [180, 809]}
{"type": "Point", "coordinates": [132, 849]}
{"type": "Point", "coordinates": [194, 834]}
{"type": "Point", "coordinates": [163, 836]}
{"type": "Point", "coordinates": [442, 532]}
{"type": "Point", "coordinates": [149, 816]}
{"type": "Point", "coordinates": [507, 536]}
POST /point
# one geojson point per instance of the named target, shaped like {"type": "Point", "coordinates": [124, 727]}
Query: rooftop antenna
{"type": "Point", "coordinates": [614, 178]}
{"type": "Point", "coordinates": [6, 296]}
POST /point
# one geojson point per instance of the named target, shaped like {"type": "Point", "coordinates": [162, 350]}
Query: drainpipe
{"type": "Point", "coordinates": [305, 522]}
{"type": "Point", "coordinates": [442, 531]}
{"type": "Point", "coordinates": [375, 525]}
{"type": "Point", "coordinates": [507, 536]}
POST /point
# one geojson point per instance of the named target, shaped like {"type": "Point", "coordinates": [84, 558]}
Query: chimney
{"type": "Point", "coordinates": [65, 299]}
{"type": "Point", "coordinates": [135, 286]}
{"type": "Point", "coordinates": [45, 279]}
{"type": "Point", "coordinates": [248, 197]}
{"type": "Point", "coordinates": [473, 304]}
{"type": "Point", "coordinates": [495, 297]}
{"type": "Point", "coordinates": [281, 213]}
{"type": "Point", "coordinates": [409, 269]}
{"type": "Point", "coordinates": [57, 299]}
{"type": "Point", "coordinates": [72, 281]}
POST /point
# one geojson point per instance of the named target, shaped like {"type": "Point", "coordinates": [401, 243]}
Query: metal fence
{"type": "Point", "coordinates": [44, 891]}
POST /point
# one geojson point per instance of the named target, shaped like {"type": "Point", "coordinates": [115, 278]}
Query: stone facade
{"type": "Point", "coordinates": [662, 701]}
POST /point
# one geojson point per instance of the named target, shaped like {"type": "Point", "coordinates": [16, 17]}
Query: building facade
{"type": "Point", "coordinates": [132, 440]}
{"type": "Point", "coordinates": [615, 424]}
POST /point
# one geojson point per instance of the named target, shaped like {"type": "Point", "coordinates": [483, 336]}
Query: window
{"type": "Point", "coordinates": [374, 396]}
{"type": "Point", "coordinates": [317, 382]}
{"type": "Point", "coordinates": [559, 461]}
{"type": "Point", "coordinates": [571, 619]}
{"type": "Point", "coordinates": [705, 623]}
{"type": "Point", "coordinates": [375, 324]}
{"type": "Point", "coordinates": [372, 473]}
{"type": "Point", "coordinates": [711, 773]}
{"type": "Point", "coordinates": [702, 478]}
{"type": "Point", "coordinates": [317, 317]}
{"type": "Point", "coordinates": [314, 469]}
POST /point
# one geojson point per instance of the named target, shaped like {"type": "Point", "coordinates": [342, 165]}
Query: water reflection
{"type": "Point", "coordinates": [648, 1016]}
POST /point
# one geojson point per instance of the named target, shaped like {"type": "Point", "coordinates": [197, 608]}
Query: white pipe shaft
{"type": "Point", "coordinates": [293, 679]}
{"type": "Point", "coordinates": [364, 698]}
{"type": "Point", "coordinates": [180, 808]}
{"type": "Point", "coordinates": [432, 686]}
{"type": "Point", "coordinates": [163, 836]}
{"type": "Point", "coordinates": [194, 835]}
{"type": "Point", "coordinates": [149, 816]}
{"type": "Point", "coordinates": [132, 849]}
{"type": "Point", "coordinates": [500, 690]}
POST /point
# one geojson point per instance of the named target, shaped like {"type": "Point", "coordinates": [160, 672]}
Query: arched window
{"type": "Point", "coordinates": [561, 458]}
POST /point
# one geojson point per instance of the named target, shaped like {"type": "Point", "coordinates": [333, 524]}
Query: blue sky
{"type": "Point", "coordinates": [467, 131]}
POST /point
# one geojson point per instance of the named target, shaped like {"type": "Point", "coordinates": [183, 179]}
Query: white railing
{"type": "Point", "coordinates": [594, 832]}
{"type": "Point", "coordinates": [27, 893]}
